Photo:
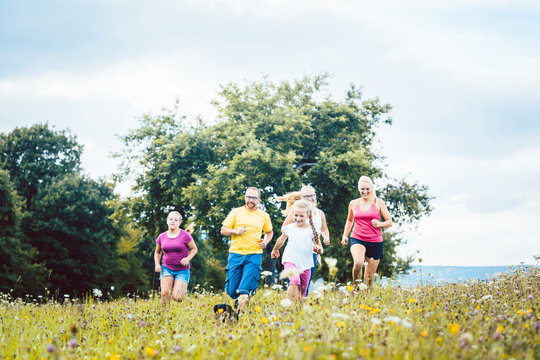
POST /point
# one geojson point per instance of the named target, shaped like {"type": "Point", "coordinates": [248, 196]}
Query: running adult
{"type": "Point", "coordinates": [245, 226]}
{"type": "Point", "coordinates": [178, 248]}
{"type": "Point", "coordinates": [319, 221]}
{"type": "Point", "coordinates": [366, 242]}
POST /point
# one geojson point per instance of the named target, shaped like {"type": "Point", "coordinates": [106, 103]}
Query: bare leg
{"type": "Point", "coordinates": [179, 290]}
{"type": "Point", "coordinates": [369, 274]}
{"type": "Point", "coordinates": [293, 293]}
{"type": "Point", "coordinates": [243, 302]}
{"type": "Point", "coordinates": [166, 286]}
{"type": "Point", "coordinates": [358, 253]}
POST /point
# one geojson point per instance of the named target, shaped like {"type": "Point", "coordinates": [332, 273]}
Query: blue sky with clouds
{"type": "Point", "coordinates": [463, 78]}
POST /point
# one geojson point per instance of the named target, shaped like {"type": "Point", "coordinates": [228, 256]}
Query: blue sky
{"type": "Point", "coordinates": [463, 78]}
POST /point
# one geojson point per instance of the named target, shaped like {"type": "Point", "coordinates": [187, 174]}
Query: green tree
{"type": "Point", "coordinates": [36, 155]}
{"type": "Point", "coordinates": [72, 229]}
{"type": "Point", "coordinates": [273, 136]}
{"type": "Point", "coordinates": [19, 270]}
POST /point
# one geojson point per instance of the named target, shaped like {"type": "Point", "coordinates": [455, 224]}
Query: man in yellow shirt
{"type": "Point", "coordinates": [245, 226]}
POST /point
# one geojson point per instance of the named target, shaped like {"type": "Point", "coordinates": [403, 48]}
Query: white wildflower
{"type": "Point", "coordinates": [277, 287]}
{"type": "Point", "coordinates": [243, 299]}
{"type": "Point", "coordinates": [289, 273]}
{"type": "Point", "coordinates": [266, 273]}
{"type": "Point", "coordinates": [340, 316]}
{"type": "Point", "coordinates": [406, 324]}
{"type": "Point", "coordinates": [362, 286]}
{"type": "Point", "coordinates": [286, 302]}
{"type": "Point", "coordinates": [97, 293]}
{"type": "Point", "coordinates": [485, 297]}
{"type": "Point", "coordinates": [331, 262]}
{"type": "Point", "coordinates": [376, 321]}
{"type": "Point", "coordinates": [285, 332]}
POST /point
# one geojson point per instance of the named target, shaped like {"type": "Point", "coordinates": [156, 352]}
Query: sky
{"type": "Point", "coordinates": [463, 78]}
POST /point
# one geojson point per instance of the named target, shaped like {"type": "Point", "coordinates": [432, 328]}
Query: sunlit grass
{"type": "Point", "coordinates": [489, 319]}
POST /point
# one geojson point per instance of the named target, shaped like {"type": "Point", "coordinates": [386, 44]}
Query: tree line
{"type": "Point", "coordinates": [62, 231]}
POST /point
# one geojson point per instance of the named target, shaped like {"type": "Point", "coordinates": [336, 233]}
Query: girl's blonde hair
{"type": "Point", "coordinates": [308, 207]}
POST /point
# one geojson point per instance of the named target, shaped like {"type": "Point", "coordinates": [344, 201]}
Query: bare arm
{"type": "Point", "coordinates": [225, 231]}
{"type": "Point", "coordinates": [267, 238]}
{"type": "Point", "coordinates": [348, 225]}
{"type": "Point", "coordinates": [157, 258]}
{"type": "Point", "coordinates": [192, 252]}
{"type": "Point", "coordinates": [288, 220]}
{"type": "Point", "coordinates": [279, 243]}
{"type": "Point", "coordinates": [385, 214]}
{"type": "Point", "coordinates": [324, 229]}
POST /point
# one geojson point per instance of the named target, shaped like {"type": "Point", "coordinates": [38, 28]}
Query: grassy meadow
{"type": "Point", "coordinates": [495, 319]}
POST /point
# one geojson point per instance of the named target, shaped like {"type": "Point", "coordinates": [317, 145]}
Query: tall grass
{"type": "Point", "coordinates": [476, 320]}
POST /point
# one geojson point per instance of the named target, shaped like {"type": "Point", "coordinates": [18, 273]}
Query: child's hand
{"type": "Point", "coordinates": [317, 249]}
{"type": "Point", "coordinates": [275, 254]}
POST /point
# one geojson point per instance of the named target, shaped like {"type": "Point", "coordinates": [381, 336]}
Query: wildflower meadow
{"type": "Point", "coordinates": [492, 319]}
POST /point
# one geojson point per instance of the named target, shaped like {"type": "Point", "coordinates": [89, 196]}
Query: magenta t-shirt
{"type": "Point", "coordinates": [174, 249]}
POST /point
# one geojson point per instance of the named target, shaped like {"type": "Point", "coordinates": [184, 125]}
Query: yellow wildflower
{"type": "Point", "coordinates": [438, 340]}
{"type": "Point", "coordinates": [340, 323]}
{"type": "Point", "coordinates": [520, 312]}
{"type": "Point", "coordinates": [350, 288]}
{"type": "Point", "coordinates": [454, 328]}
{"type": "Point", "coordinates": [412, 301]}
{"type": "Point", "coordinates": [500, 329]}
{"type": "Point", "coordinates": [151, 352]}
{"type": "Point", "coordinates": [424, 333]}
{"type": "Point", "coordinates": [114, 356]}
{"type": "Point", "coordinates": [264, 320]}
{"type": "Point", "coordinates": [257, 309]}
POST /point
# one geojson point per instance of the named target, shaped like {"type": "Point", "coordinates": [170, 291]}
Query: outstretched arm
{"type": "Point", "coordinates": [324, 229]}
{"type": "Point", "coordinates": [279, 243]}
{"type": "Point", "coordinates": [157, 258]}
{"type": "Point", "coordinates": [348, 225]}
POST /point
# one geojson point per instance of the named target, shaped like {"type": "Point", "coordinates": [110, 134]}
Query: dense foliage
{"type": "Point", "coordinates": [275, 137]}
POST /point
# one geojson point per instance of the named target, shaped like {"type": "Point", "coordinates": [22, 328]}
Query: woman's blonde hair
{"type": "Point", "coordinates": [310, 210]}
{"type": "Point", "coordinates": [367, 180]}
{"type": "Point", "coordinates": [190, 228]}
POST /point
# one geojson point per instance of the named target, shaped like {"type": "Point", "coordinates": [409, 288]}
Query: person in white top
{"type": "Point", "coordinates": [297, 257]}
{"type": "Point", "coordinates": [319, 219]}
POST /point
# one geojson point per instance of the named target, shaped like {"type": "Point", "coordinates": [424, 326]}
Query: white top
{"type": "Point", "coordinates": [299, 248]}
{"type": "Point", "coordinates": [317, 221]}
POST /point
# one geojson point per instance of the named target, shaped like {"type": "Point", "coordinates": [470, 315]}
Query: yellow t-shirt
{"type": "Point", "coordinates": [255, 221]}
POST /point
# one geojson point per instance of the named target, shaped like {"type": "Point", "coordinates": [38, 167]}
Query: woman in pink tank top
{"type": "Point", "coordinates": [366, 240]}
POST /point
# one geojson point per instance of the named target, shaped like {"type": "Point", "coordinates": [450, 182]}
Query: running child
{"type": "Point", "coordinates": [297, 256]}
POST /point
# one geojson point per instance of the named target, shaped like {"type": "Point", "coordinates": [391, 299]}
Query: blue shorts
{"type": "Point", "coordinates": [243, 273]}
{"type": "Point", "coordinates": [373, 249]}
{"type": "Point", "coordinates": [179, 275]}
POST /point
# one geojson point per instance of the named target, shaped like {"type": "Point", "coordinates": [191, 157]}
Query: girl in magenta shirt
{"type": "Point", "coordinates": [366, 241]}
{"type": "Point", "coordinates": [178, 248]}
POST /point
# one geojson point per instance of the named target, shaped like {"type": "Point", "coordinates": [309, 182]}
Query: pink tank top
{"type": "Point", "coordinates": [363, 229]}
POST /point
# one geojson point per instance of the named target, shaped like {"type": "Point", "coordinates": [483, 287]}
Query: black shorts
{"type": "Point", "coordinates": [373, 249]}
